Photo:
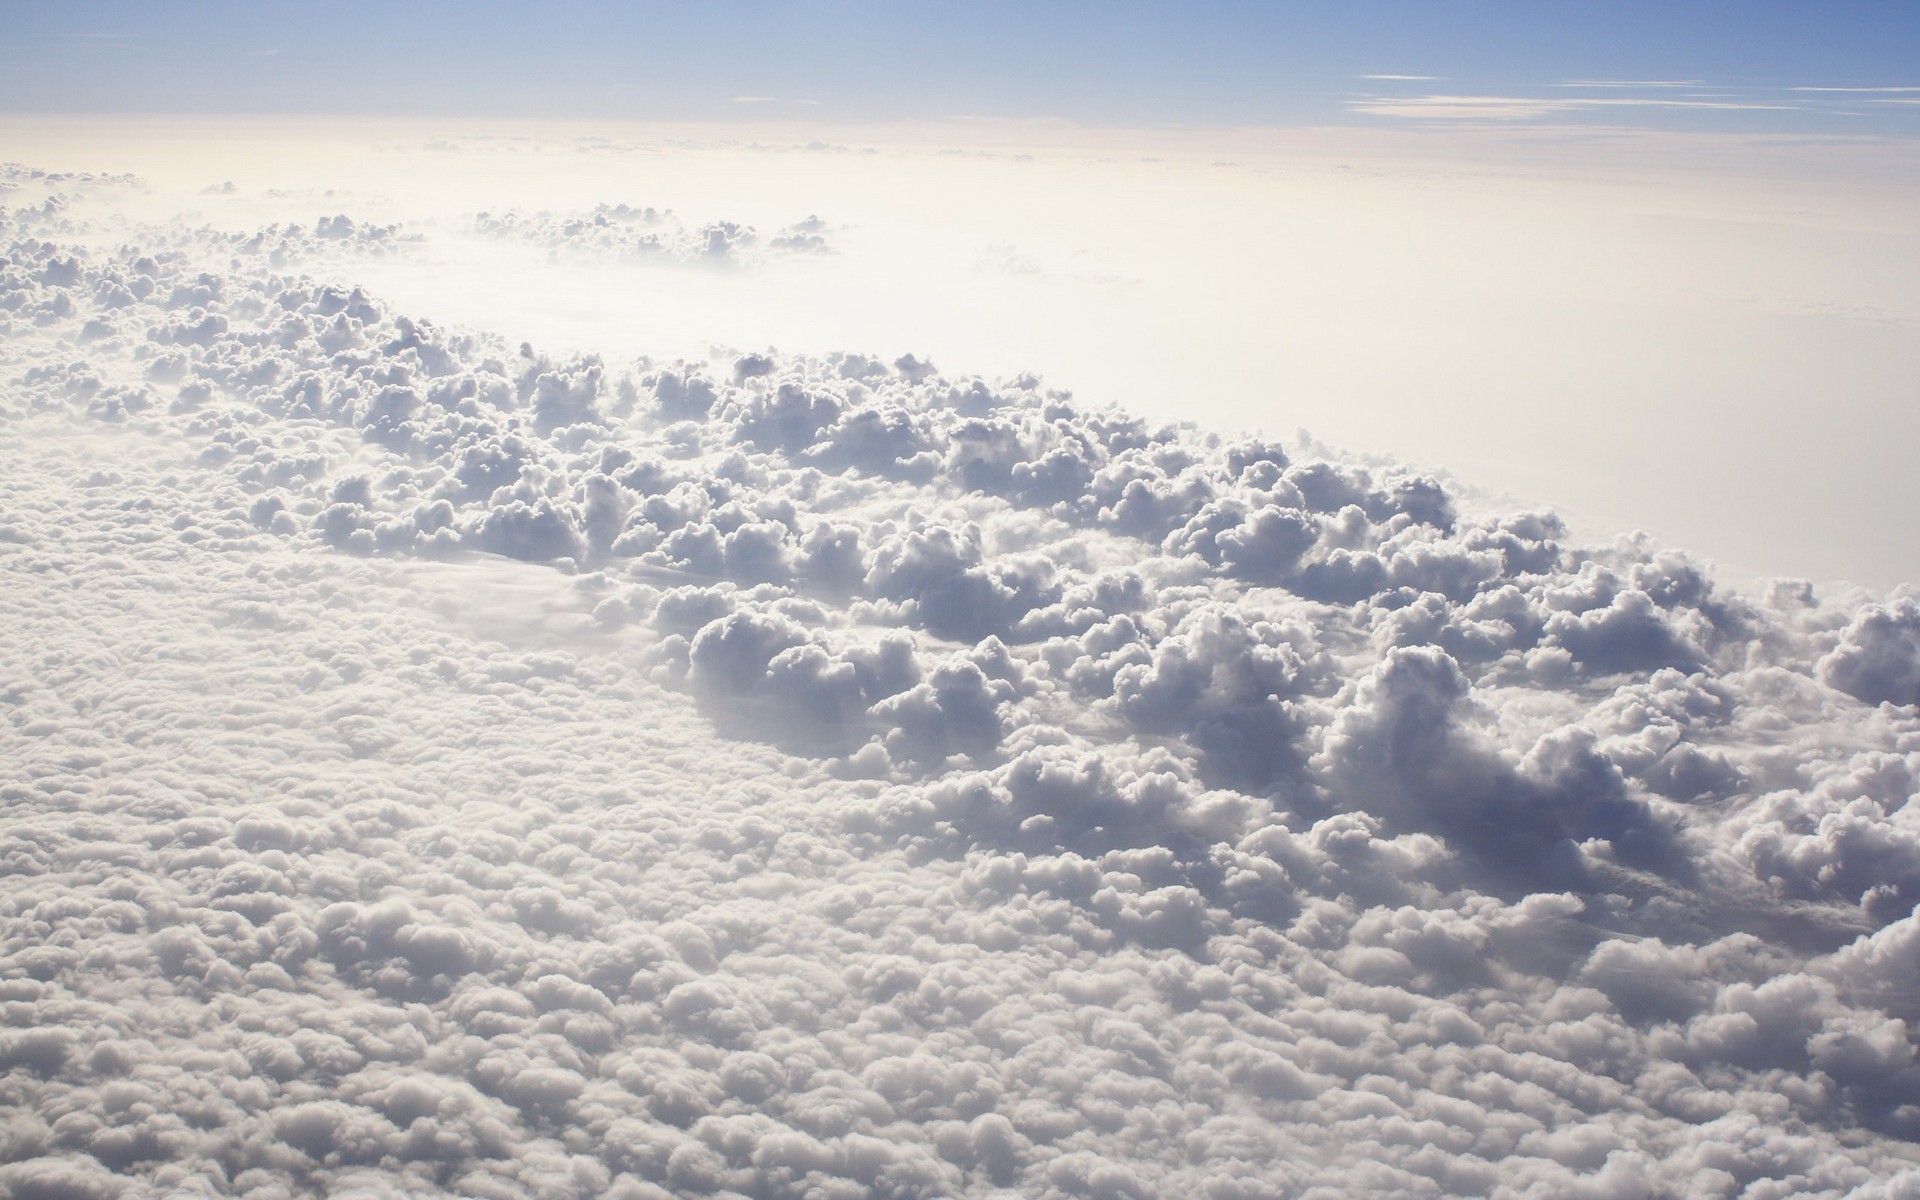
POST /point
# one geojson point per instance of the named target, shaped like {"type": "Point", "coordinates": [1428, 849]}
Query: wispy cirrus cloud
{"type": "Point", "coordinates": [1525, 108]}
{"type": "Point", "coordinates": [1620, 97]}
{"type": "Point", "coordinates": [1630, 83]}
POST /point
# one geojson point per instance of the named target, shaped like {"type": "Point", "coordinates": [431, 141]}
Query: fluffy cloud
{"type": "Point", "coordinates": [1878, 658]}
{"type": "Point", "coordinates": [623, 233]}
{"type": "Point", "coordinates": [440, 768]}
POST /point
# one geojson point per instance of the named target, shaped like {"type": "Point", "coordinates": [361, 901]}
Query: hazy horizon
{"type": "Point", "coordinates": [1720, 324]}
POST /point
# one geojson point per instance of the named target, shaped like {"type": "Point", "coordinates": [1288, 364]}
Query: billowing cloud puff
{"type": "Point", "coordinates": [1410, 747]}
{"type": "Point", "coordinates": [1878, 658]}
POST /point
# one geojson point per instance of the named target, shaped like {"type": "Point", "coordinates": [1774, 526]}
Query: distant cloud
{"type": "Point", "coordinates": [1621, 97]}
{"type": "Point", "coordinates": [1410, 78]}
{"type": "Point", "coordinates": [623, 233]}
{"type": "Point", "coordinates": [1629, 83]}
{"type": "Point", "coordinates": [1524, 108]}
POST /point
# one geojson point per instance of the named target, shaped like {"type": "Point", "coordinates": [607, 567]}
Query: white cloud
{"type": "Point", "coordinates": [1878, 658]}
{"type": "Point", "coordinates": [1630, 83]}
{"type": "Point", "coordinates": [1526, 108]}
{"type": "Point", "coordinates": [625, 234]}
{"type": "Point", "coordinates": [439, 768]}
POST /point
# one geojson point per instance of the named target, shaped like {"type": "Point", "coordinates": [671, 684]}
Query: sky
{"type": "Point", "coordinates": [855, 601]}
{"type": "Point", "coordinates": [1722, 66]}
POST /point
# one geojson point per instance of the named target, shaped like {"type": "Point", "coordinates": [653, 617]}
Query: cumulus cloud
{"type": "Point", "coordinates": [437, 767]}
{"type": "Point", "coordinates": [1878, 658]}
{"type": "Point", "coordinates": [623, 233]}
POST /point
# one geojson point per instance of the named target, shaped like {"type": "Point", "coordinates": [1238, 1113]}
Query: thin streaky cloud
{"type": "Point", "coordinates": [1855, 90]}
{"type": "Point", "coordinates": [1630, 83]}
{"type": "Point", "coordinates": [749, 99]}
{"type": "Point", "coordinates": [1520, 108]}
{"type": "Point", "coordinates": [1404, 78]}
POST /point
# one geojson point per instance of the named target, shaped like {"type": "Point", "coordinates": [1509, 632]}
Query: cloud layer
{"type": "Point", "coordinates": [438, 768]}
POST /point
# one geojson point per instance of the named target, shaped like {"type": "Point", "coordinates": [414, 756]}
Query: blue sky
{"type": "Point", "coordinates": [1733, 66]}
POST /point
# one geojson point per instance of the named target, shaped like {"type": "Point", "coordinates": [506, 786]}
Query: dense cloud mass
{"type": "Point", "coordinates": [622, 233]}
{"type": "Point", "coordinates": [438, 768]}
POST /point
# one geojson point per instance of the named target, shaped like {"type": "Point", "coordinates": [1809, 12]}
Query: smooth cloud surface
{"type": "Point", "coordinates": [438, 768]}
